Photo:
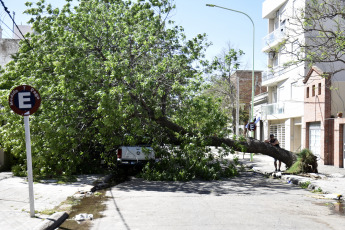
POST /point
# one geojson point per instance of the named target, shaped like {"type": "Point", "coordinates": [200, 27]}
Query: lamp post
{"type": "Point", "coordinates": [252, 103]}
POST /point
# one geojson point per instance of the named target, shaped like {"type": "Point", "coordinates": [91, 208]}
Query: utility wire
{"type": "Point", "coordinates": [8, 12]}
{"type": "Point", "coordinates": [9, 28]}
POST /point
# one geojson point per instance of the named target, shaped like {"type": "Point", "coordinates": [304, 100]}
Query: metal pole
{"type": "Point", "coordinates": [29, 165]}
{"type": "Point", "coordinates": [237, 106]}
{"type": "Point", "coordinates": [252, 104]}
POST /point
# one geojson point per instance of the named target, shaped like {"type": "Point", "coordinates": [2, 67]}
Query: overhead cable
{"type": "Point", "coordinates": [9, 14]}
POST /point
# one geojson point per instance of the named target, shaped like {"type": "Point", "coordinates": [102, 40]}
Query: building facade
{"type": "Point", "coordinates": [284, 111]}
{"type": "Point", "coordinates": [302, 102]}
{"type": "Point", "coordinates": [323, 121]}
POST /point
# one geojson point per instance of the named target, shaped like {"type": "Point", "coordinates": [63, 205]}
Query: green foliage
{"type": "Point", "coordinates": [110, 73]}
{"type": "Point", "coordinates": [304, 185]}
{"type": "Point", "coordinates": [189, 161]}
{"type": "Point", "coordinates": [322, 21]}
{"type": "Point", "coordinates": [318, 190]}
{"type": "Point", "coordinates": [306, 162]}
{"type": "Point", "coordinates": [223, 83]}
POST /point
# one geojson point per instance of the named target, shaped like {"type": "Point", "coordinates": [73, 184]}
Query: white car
{"type": "Point", "coordinates": [132, 155]}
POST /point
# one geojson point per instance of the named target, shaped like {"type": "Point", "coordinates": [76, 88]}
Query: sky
{"type": "Point", "coordinates": [222, 26]}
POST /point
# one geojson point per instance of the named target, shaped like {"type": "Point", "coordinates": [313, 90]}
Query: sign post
{"type": "Point", "coordinates": [25, 100]}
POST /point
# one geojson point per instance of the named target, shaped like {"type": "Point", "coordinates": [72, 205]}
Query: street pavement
{"type": "Point", "coordinates": [250, 201]}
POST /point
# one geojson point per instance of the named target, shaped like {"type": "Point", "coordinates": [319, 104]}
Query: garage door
{"type": "Point", "coordinates": [314, 138]}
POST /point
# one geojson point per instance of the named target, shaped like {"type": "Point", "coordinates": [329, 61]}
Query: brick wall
{"type": "Point", "coordinates": [245, 85]}
{"type": "Point", "coordinates": [317, 108]}
{"type": "Point", "coordinates": [338, 142]}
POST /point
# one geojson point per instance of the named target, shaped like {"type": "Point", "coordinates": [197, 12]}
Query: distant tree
{"type": "Point", "coordinates": [223, 82]}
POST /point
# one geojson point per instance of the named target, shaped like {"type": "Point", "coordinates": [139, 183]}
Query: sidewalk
{"type": "Point", "coordinates": [15, 204]}
{"type": "Point", "coordinates": [14, 192]}
{"type": "Point", "coordinates": [330, 178]}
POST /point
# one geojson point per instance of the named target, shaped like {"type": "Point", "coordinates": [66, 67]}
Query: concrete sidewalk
{"type": "Point", "coordinates": [330, 179]}
{"type": "Point", "coordinates": [15, 205]}
{"type": "Point", "coordinates": [14, 192]}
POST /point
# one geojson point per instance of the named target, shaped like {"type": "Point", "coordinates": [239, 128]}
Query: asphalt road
{"type": "Point", "coordinates": [250, 201]}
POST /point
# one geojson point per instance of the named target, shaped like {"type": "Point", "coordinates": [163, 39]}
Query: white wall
{"type": "Point", "coordinates": [270, 6]}
{"type": "Point", "coordinates": [338, 97]}
{"type": "Point", "coordinates": [7, 48]}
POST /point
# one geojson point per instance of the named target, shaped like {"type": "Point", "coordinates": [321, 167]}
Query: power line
{"type": "Point", "coordinates": [9, 14]}
{"type": "Point", "coordinates": [9, 27]}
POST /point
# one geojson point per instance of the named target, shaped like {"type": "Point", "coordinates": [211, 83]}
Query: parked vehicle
{"type": "Point", "coordinates": [133, 155]}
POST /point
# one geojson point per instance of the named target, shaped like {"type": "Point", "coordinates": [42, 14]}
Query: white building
{"type": "Point", "coordinates": [284, 113]}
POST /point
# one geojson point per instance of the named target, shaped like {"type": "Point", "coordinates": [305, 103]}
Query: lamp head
{"type": "Point", "coordinates": [210, 5]}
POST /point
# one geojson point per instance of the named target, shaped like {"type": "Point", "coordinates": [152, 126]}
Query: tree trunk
{"type": "Point", "coordinates": [251, 145]}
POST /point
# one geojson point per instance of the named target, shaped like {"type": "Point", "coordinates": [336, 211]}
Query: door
{"type": "Point", "coordinates": [314, 138]}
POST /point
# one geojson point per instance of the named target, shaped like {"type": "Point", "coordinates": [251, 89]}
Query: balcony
{"type": "Point", "coordinates": [272, 73]}
{"type": "Point", "coordinates": [273, 109]}
{"type": "Point", "coordinates": [274, 38]}
{"type": "Point", "coordinates": [282, 110]}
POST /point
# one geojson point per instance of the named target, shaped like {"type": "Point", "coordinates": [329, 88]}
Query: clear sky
{"type": "Point", "coordinates": [221, 26]}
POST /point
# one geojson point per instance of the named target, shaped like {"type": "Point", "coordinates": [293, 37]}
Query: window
{"type": "Point", "coordinates": [294, 91]}
{"type": "Point", "coordinates": [307, 92]}
{"type": "Point", "coordinates": [294, 8]}
{"type": "Point", "coordinates": [276, 21]}
{"type": "Point", "coordinates": [313, 91]}
{"type": "Point", "coordinates": [319, 89]}
{"type": "Point", "coordinates": [281, 93]}
{"type": "Point", "coordinates": [274, 94]}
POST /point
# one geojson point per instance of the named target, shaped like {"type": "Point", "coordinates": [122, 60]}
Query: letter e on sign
{"type": "Point", "coordinates": [24, 100]}
{"type": "Point", "coordinates": [251, 126]}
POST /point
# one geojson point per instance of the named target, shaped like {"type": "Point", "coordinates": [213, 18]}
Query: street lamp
{"type": "Point", "coordinates": [252, 104]}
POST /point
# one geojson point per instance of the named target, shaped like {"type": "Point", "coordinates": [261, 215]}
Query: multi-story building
{"type": "Point", "coordinates": [283, 114]}
{"type": "Point", "coordinates": [301, 112]}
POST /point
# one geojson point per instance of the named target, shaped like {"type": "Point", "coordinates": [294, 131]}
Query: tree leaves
{"type": "Point", "coordinates": [110, 73]}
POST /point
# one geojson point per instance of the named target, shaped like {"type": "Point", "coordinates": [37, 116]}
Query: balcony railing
{"type": "Point", "coordinates": [272, 73]}
{"type": "Point", "coordinates": [271, 109]}
{"type": "Point", "coordinates": [276, 36]}
{"type": "Point", "coordinates": [287, 108]}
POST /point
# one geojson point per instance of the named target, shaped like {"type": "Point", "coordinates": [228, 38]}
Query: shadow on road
{"type": "Point", "coordinates": [248, 183]}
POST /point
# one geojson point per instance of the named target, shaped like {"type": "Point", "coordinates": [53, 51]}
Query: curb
{"type": "Point", "coordinates": [53, 221]}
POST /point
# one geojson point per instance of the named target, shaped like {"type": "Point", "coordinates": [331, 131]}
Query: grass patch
{"type": "Point", "coordinates": [47, 212]}
{"type": "Point", "coordinates": [304, 185]}
{"type": "Point", "coordinates": [318, 190]}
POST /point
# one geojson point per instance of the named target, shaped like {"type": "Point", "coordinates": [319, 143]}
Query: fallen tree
{"type": "Point", "coordinates": [111, 73]}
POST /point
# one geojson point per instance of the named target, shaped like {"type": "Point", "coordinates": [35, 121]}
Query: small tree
{"type": "Point", "coordinates": [317, 35]}
{"type": "Point", "coordinates": [223, 83]}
